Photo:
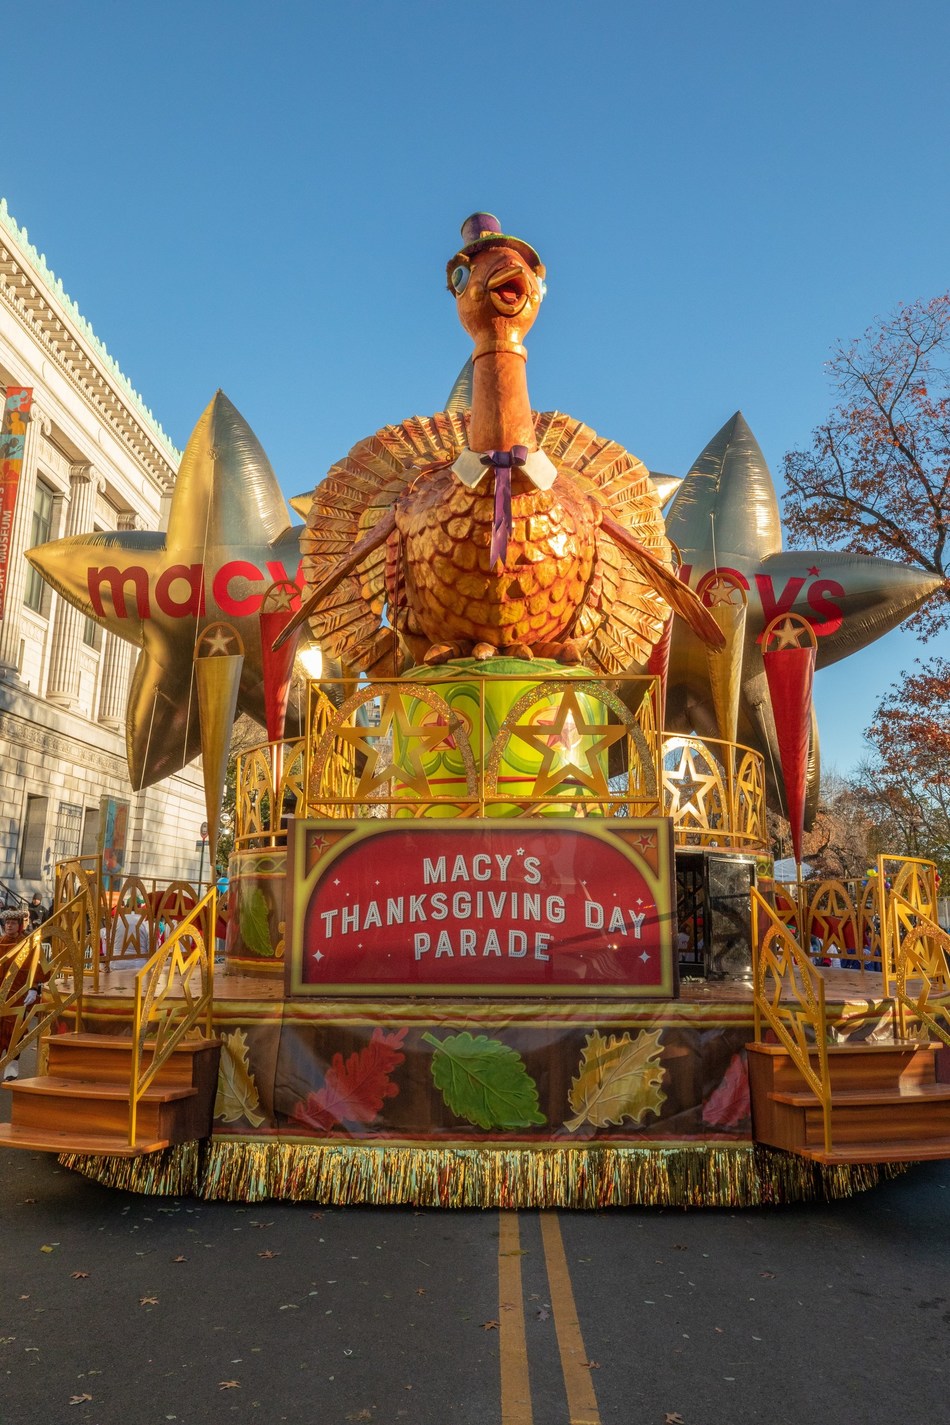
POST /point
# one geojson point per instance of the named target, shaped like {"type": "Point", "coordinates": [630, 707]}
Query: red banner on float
{"type": "Point", "coordinates": [514, 907]}
{"type": "Point", "coordinates": [16, 414]}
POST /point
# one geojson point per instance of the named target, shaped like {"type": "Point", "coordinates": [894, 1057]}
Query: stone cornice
{"type": "Point", "coordinates": [36, 298]}
{"type": "Point", "coordinates": [22, 733]}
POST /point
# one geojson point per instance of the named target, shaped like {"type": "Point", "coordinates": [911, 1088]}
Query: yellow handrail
{"type": "Point", "coordinates": [794, 1007]}
{"type": "Point", "coordinates": [41, 965]}
{"type": "Point", "coordinates": [174, 990]}
{"type": "Point", "coordinates": [918, 951]}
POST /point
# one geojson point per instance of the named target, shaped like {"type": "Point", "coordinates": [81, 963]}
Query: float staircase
{"type": "Point", "coordinates": [82, 1103]}
{"type": "Point", "coordinates": [887, 1103]}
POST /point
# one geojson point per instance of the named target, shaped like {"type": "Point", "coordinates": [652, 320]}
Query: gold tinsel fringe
{"type": "Point", "coordinates": [684, 1175]}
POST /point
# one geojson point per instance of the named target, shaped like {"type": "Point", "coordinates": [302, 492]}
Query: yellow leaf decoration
{"type": "Point", "coordinates": [237, 1095]}
{"type": "Point", "coordinates": [617, 1079]}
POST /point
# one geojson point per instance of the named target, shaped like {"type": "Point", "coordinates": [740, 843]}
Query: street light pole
{"type": "Point", "coordinates": [203, 833]}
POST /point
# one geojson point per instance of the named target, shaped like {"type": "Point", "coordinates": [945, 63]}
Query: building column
{"type": "Point", "coordinates": [116, 658]}
{"type": "Point", "coordinates": [62, 687]}
{"type": "Point", "coordinates": [38, 427]}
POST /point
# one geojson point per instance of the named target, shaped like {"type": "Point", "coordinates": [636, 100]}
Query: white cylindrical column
{"type": "Point", "coordinates": [62, 685]}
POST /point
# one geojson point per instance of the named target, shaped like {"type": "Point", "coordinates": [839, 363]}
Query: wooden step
{"type": "Point", "coordinates": [48, 1102]}
{"type": "Point", "coordinates": [877, 1152]}
{"type": "Point", "coordinates": [858, 1066]}
{"type": "Point", "coordinates": [107, 1058]}
{"type": "Point", "coordinates": [921, 1114]}
{"type": "Point", "coordinates": [65, 1140]}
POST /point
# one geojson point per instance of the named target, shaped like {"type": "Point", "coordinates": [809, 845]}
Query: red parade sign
{"type": "Point", "coordinates": [513, 907]}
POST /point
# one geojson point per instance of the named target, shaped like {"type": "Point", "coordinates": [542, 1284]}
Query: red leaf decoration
{"type": "Point", "coordinates": [354, 1089]}
{"type": "Point", "coordinates": [729, 1104]}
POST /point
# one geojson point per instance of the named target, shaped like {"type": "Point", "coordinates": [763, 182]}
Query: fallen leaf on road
{"type": "Point", "coordinates": [543, 1313]}
{"type": "Point", "coordinates": [671, 1418]}
{"type": "Point", "coordinates": [268, 1255]}
{"type": "Point", "coordinates": [78, 1399]}
{"type": "Point", "coordinates": [179, 1259]}
{"type": "Point", "coordinates": [489, 1325]}
{"type": "Point", "coordinates": [148, 1301]}
{"type": "Point", "coordinates": [769, 1276]}
{"type": "Point", "coordinates": [78, 1276]}
{"type": "Point", "coordinates": [229, 1385]}
{"type": "Point", "coordinates": [591, 1365]}
{"type": "Point", "coordinates": [420, 1291]}
{"type": "Point", "coordinates": [46, 1249]}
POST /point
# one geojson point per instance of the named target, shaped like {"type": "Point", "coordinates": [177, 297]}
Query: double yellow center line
{"type": "Point", "coordinates": [513, 1350]}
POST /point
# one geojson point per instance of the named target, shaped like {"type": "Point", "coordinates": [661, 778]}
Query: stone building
{"type": "Point", "coordinates": [95, 459]}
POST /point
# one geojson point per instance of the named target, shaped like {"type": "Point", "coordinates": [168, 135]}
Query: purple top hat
{"type": "Point", "coordinates": [483, 230]}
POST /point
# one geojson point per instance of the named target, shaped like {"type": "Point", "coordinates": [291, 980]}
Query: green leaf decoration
{"type": "Point", "coordinates": [255, 924]}
{"type": "Point", "coordinates": [484, 1081]}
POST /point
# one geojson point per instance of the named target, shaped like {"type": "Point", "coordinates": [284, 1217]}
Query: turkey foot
{"type": "Point", "coordinates": [568, 652]}
{"type": "Point", "coordinates": [442, 653]}
{"type": "Point", "coordinates": [484, 651]}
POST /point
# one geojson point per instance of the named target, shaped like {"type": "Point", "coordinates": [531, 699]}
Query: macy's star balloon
{"type": "Point", "coordinates": [724, 519]}
{"type": "Point", "coordinates": [229, 539]}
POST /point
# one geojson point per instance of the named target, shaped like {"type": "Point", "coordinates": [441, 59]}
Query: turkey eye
{"type": "Point", "coordinates": [459, 279]}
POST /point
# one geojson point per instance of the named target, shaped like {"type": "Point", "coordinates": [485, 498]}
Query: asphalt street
{"type": "Point", "coordinates": [125, 1310]}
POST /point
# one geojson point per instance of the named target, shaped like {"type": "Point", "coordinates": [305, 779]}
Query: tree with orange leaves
{"type": "Point", "coordinates": [905, 786]}
{"type": "Point", "coordinates": [876, 478]}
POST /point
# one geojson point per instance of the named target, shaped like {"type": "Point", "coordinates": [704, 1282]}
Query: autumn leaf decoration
{"type": "Point", "coordinates": [237, 1095]}
{"type": "Point", "coordinates": [617, 1078]}
{"type": "Point", "coordinates": [354, 1089]}
{"type": "Point", "coordinates": [484, 1081]}
{"type": "Point", "coordinates": [255, 922]}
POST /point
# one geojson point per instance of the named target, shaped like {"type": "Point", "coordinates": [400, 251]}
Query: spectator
{"type": "Point", "coordinates": [36, 912]}
{"type": "Point", "coordinates": [15, 979]}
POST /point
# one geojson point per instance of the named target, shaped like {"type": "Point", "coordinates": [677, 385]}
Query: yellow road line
{"type": "Point", "coordinates": [581, 1400]}
{"type": "Point", "coordinates": [512, 1345]}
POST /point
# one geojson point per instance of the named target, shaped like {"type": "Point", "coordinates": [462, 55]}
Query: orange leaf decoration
{"type": "Point", "coordinates": [354, 1088]}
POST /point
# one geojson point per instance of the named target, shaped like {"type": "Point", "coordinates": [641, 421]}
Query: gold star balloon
{"type": "Point", "coordinates": [724, 519]}
{"type": "Point", "coordinates": [229, 539]}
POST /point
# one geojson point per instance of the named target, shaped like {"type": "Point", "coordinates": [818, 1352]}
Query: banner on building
{"type": "Point", "coordinates": [113, 837]}
{"type": "Point", "coordinates": [16, 414]}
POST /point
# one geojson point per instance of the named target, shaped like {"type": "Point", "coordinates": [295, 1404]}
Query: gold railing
{"type": "Point", "coordinates": [789, 998]}
{"type": "Point", "coordinates": [917, 974]}
{"type": "Point", "coordinates": [43, 978]}
{"type": "Point", "coordinates": [851, 918]}
{"type": "Point", "coordinates": [500, 746]}
{"type": "Point", "coordinates": [135, 911]}
{"type": "Point", "coordinates": [715, 793]}
{"type": "Point", "coordinates": [173, 993]}
{"type": "Point", "coordinates": [489, 746]}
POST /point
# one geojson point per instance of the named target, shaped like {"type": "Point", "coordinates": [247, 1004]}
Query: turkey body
{"type": "Point", "coordinates": [443, 584]}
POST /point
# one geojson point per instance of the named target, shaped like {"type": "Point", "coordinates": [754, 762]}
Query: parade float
{"type": "Point", "coordinates": [502, 926]}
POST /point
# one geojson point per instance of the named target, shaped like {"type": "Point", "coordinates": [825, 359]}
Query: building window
{"type": "Point", "coordinates": [34, 836]}
{"type": "Point", "coordinates": [90, 633]}
{"type": "Point", "coordinates": [90, 832]}
{"type": "Point", "coordinates": [68, 831]}
{"type": "Point", "coordinates": [40, 531]}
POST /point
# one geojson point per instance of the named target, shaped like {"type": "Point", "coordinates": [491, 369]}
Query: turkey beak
{"type": "Point", "coordinates": [508, 290]}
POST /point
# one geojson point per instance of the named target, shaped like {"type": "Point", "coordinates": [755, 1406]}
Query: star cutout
{"type": "Point", "coordinates": [398, 758]}
{"type": "Point", "coordinates": [724, 519]}
{"type": "Point", "coordinates": [229, 538]}
{"type": "Point", "coordinates": [559, 742]}
{"type": "Point", "coordinates": [219, 640]}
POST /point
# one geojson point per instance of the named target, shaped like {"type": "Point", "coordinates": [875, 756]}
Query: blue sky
{"type": "Point", "coordinates": [263, 198]}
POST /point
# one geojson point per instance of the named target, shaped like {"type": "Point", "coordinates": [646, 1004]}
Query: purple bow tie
{"type": "Point", "coordinates": [502, 463]}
